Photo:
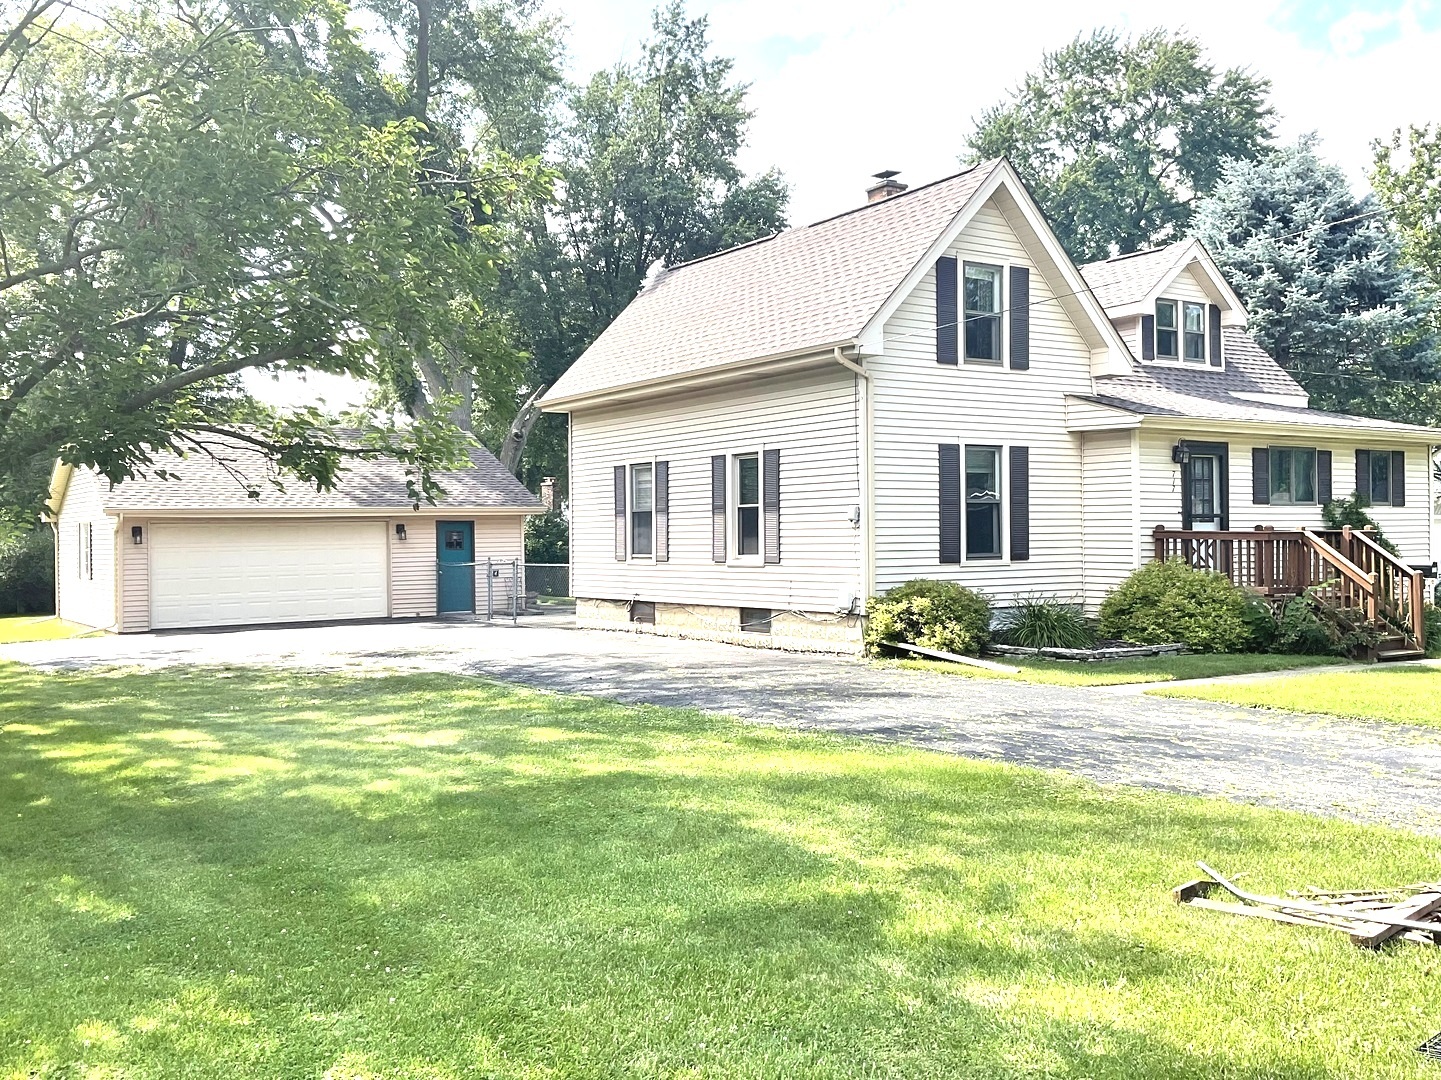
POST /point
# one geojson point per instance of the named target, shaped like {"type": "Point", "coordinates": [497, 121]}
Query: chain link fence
{"type": "Point", "coordinates": [548, 580]}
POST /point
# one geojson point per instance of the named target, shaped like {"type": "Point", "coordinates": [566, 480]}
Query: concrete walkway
{"type": "Point", "coordinates": [1364, 771]}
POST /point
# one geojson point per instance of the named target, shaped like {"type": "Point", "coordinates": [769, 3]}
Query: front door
{"type": "Point", "coordinates": [1204, 490]}
{"type": "Point", "coordinates": [455, 559]}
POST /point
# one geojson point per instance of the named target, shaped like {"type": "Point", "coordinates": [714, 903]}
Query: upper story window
{"type": "Point", "coordinates": [1293, 475]}
{"type": "Point", "coordinates": [642, 509]}
{"type": "Point", "coordinates": [748, 504]}
{"type": "Point", "coordinates": [1167, 331]}
{"type": "Point", "coordinates": [983, 313]}
{"type": "Point", "coordinates": [1194, 321]}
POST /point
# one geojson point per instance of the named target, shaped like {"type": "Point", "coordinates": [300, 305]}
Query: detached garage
{"type": "Point", "coordinates": [187, 546]}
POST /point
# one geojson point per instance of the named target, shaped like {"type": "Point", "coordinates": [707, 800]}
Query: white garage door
{"type": "Point", "coordinates": [221, 574]}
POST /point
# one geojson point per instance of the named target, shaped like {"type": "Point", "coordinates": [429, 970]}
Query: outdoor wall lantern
{"type": "Point", "coordinates": [1180, 454]}
{"type": "Point", "coordinates": [136, 534]}
{"type": "Point", "coordinates": [400, 530]}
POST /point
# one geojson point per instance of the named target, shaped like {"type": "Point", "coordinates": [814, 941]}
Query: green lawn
{"type": "Point", "coordinates": [15, 628]}
{"type": "Point", "coordinates": [1114, 672]}
{"type": "Point", "coordinates": [257, 874]}
{"type": "Point", "coordinates": [1405, 695]}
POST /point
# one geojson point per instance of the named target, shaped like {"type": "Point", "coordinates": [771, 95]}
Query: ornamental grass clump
{"type": "Point", "coordinates": [933, 614]}
{"type": "Point", "coordinates": [1047, 623]}
{"type": "Point", "coordinates": [1168, 602]}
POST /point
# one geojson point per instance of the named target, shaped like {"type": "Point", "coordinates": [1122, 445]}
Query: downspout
{"type": "Point", "coordinates": [866, 492]}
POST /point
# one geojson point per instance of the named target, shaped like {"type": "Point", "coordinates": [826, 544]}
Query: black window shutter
{"type": "Point", "coordinates": [1398, 478]}
{"type": "Point", "coordinates": [771, 503]}
{"type": "Point", "coordinates": [1323, 477]}
{"type": "Point", "coordinates": [1020, 318]}
{"type": "Point", "coordinates": [620, 536]}
{"type": "Point", "coordinates": [1214, 317]}
{"type": "Point", "coordinates": [1148, 337]}
{"type": "Point", "coordinates": [950, 462]}
{"type": "Point", "coordinates": [1363, 476]}
{"type": "Point", "coordinates": [662, 511]}
{"type": "Point", "coordinates": [1260, 475]}
{"type": "Point", "coordinates": [1020, 503]}
{"type": "Point", "coordinates": [718, 508]}
{"type": "Point", "coordinates": [947, 312]}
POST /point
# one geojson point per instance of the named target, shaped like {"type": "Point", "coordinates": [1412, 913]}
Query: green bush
{"type": "Point", "coordinates": [1165, 602]}
{"type": "Point", "coordinates": [1302, 630]}
{"type": "Point", "coordinates": [1262, 623]}
{"type": "Point", "coordinates": [1048, 623]}
{"type": "Point", "coordinates": [1432, 614]}
{"type": "Point", "coordinates": [27, 572]}
{"type": "Point", "coordinates": [1338, 513]}
{"type": "Point", "coordinates": [934, 614]}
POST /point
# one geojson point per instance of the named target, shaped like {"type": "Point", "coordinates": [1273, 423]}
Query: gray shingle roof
{"type": "Point", "coordinates": [806, 287]}
{"type": "Point", "coordinates": [1249, 370]}
{"type": "Point", "coordinates": [1128, 279]}
{"type": "Point", "coordinates": [1208, 394]}
{"type": "Point", "coordinates": [202, 481]}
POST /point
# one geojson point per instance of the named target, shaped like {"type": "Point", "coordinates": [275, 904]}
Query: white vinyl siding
{"type": "Point", "coordinates": [85, 553]}
{"type": "Point", "coordinates": [813, 419]}
{"type": "Point", "coordinates": [134, 577]}
{"type": "Point", "coordinates": [1108, 493]}
{"type": "Point", "coordinates": [502, 539]}
{"type": "Point", "coordinates": [1409, 527]}
{"type": "Point", "coordinates": [412, 568]}
{"type": "Point", "coordinates": [920, 404]}
{"type": "Point", "coordinates": [226, 573]}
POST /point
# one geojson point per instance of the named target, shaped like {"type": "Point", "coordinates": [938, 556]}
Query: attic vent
{"type": "Point", "coordinates": [886, 186]}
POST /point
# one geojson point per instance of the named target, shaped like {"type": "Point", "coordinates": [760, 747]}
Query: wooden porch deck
{"type": "Point", "coordinates": [1346, 566]}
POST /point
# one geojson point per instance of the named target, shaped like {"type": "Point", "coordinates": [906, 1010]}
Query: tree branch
{"type": "Point", "coordinates": [182, 379]}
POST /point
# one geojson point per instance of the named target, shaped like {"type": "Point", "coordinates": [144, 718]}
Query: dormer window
{"type": "Point", "coordinates": [1194, 316]}
{"type": "Point", "coordinates": [1166, 331]}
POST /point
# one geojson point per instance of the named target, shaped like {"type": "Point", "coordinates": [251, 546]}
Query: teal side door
{"type": "Point", "coordinates": [455, 560]}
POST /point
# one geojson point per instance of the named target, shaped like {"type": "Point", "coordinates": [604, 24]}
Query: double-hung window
{"type": "Point", "coordinates": [983, 502]}
{"type": "Point", "coordinates": [1194, 323]}
{"type": "Point", "coordinates": [748, 504]}
{"type": "Point", "coordinates": [1380, 493]}
{"type": "Point", "coordinates": [1293, 475]}
{"type": "Point", "coordinates": [1167, 331]}
{"type": "Point", "coordinates": [642, 510]}
{"type": "Point", "coordinates": [983, 313]}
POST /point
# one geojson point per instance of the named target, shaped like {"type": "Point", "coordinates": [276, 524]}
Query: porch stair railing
{"type": "Point", "coordinates": [1349, 570]}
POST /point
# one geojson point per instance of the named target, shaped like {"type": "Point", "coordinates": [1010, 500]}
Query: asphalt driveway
{"type": "Point", "coordinates": [1369, 772]}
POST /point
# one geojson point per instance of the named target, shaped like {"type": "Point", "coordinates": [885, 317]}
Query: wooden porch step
{"type": "Point", "coordinates": [1391, 656]}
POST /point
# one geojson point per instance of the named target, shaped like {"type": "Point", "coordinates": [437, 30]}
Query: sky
{"type": "Point", "coordinates": [842, 89]}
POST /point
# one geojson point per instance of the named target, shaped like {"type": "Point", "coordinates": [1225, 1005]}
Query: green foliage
{"type": "Point", "coordinates": [1351, 510]}
{"type": "Point", "coordinates": [27, 571]}
{"type": "Point", "coordinates": [180, 207]}
{"type": "Point", "coordinates": [1166, 602]}
{"type": "Point", "coordinates": [1407, 181]}
{"type": "Point", "coordinates": [1432, 624]}
{"type": "Point", "coordinates": [547, 538]}
{"type": "Point", "coordinates": [648, 162]}
{"type": "Point", "coordinates": [1302, 629]}
{"type": "Point", "coordinates": [1040, 622]}
{"type": "Point", "coordinates": [934, 614]}
{"type": "Point", "coordinates": [1261, 622]}
{"type": "Point", "coordinates": [1116, 137]}
{"type": "Point", "coordinates": [1327, 290]}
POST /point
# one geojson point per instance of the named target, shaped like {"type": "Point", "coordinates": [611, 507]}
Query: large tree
{"type": "Point", "coordinates": [648, 169]}
{"type": "Point", "coordinates": [177, 209]}
{"type": "Point", "coordinates": [1117, 138]}
{"type": "Point", "coordinates": [1324, 282]}
{"type": "Point", "coordinates": [1407, 181]}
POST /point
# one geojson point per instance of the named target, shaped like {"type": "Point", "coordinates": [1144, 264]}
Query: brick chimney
{"type": "Point", "coordinates": [547, 492]}
{"type": "Point", "coordinates": [886, 185]}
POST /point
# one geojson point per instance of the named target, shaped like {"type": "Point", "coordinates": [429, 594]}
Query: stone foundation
{"type": "Point", "coordinates": [817, 631]}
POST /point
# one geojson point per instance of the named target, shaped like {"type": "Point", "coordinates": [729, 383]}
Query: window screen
{"type": "Point", "coordinates": [983, 502]}
{"type": "Point", "coordinates": [983, 313]}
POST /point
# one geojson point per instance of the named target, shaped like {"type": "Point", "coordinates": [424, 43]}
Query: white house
{"type": "Point", "coordinates": [926, 386]}
{"type": "Point", "coordinates": [185, 545]}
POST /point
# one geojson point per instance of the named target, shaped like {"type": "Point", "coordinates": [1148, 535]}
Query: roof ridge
{"type": "Point", "coordinates": [902, 195]}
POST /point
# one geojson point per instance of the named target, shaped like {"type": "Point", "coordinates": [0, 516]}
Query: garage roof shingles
{"type": "Point", "coordinates": [803, 288]}
{"type": "Point", "coordinates": [205, 481]}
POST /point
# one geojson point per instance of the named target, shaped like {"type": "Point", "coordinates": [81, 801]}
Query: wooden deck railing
{"type": "Point", "coordinates": [1350, 570]}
